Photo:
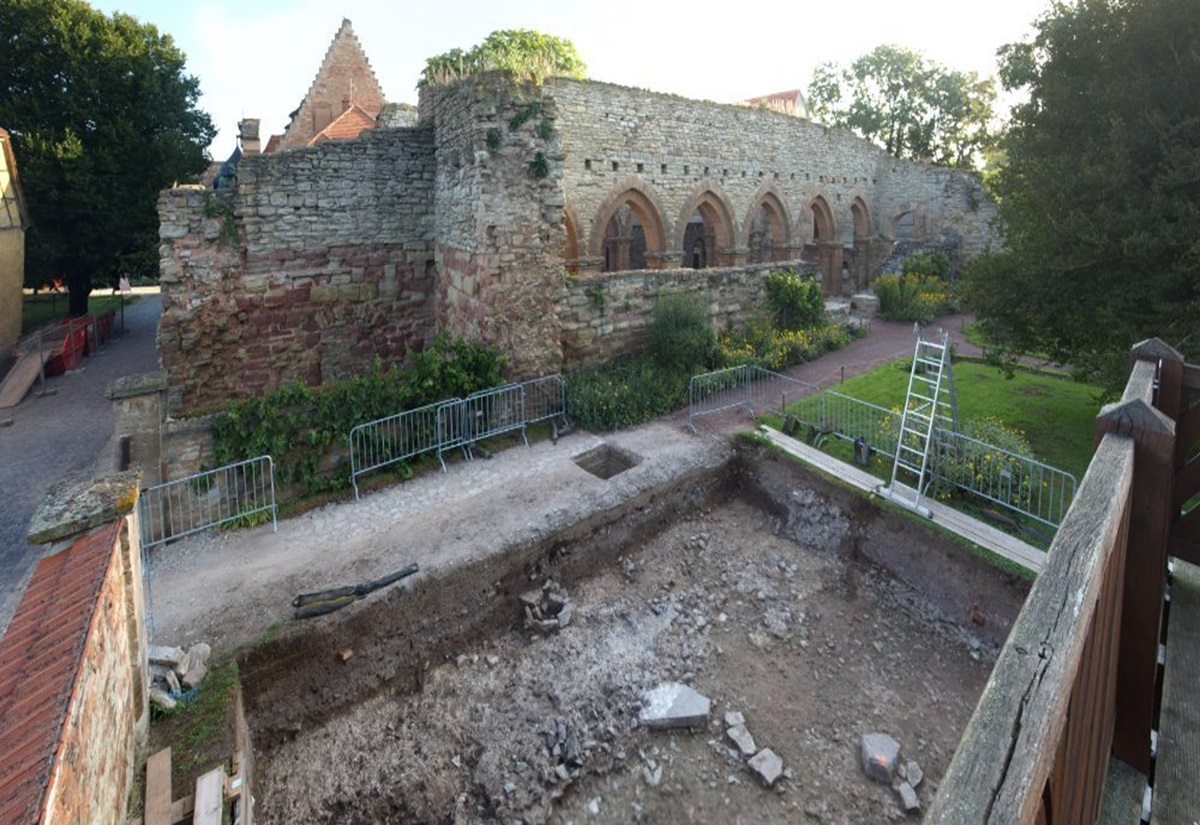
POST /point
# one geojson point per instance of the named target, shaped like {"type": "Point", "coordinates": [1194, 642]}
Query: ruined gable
{"type": "Point", "coordinates": [344, 80]}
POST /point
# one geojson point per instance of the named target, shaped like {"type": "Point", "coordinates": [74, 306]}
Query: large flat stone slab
{"type": "Point", "coordinates": [674, 705]}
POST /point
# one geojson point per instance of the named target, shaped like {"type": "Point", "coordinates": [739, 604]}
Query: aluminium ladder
{"type": "Point", "coordinates": [929, 404]}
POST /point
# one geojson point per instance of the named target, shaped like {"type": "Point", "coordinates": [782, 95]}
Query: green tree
{"type": "Point", "coordinates": [912, 108]}
{"type": "Point", "coordinates": [527, 54]}
{"type": "Point", "coordinates": [1100, 189]}
{"type": "Point", "coordinates": [102, 117]}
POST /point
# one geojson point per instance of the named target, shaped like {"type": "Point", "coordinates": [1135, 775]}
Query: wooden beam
{"type": "Point", "coordinates": [181, 809]}
{"type": "Point", "coordinates": [1184, 549]}
{"type": "Point", "coordinates": [1145, 571]}
{"type": "Point", "coordinates": [158, 789]}
{"type": "Point", "coordinates": [1010, 747]}
{"type": "Point", "coordinates": [1191, 377]}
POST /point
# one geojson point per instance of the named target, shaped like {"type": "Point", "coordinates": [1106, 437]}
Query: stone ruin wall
{"type": "Point", "coordinates": [357, 250]}
{"type": "Point", "coordinates": [499, 224]}
{"type": "Point", "coordinates": [674, 150]}
{"type": "Point", "coordinates": [320, 261]}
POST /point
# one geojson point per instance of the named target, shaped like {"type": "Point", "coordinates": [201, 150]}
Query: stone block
{"type": "Point", "coordinates": [880, 756]}
{"type": "Point", "coordinates": [767, 765]}
{"type": "Point", "coordinates": [742, 738]}
{"type": "Point", "coordinates": [674, 705]}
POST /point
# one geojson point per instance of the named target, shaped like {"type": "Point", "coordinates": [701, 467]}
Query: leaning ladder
{"type": "Point", "coordinates": [929, 404]}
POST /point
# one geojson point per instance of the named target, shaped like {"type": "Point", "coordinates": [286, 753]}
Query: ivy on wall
{"type": "Point", "coordinates": [304, 429]}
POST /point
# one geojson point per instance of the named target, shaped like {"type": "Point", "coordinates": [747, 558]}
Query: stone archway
{"type": "Point", "coordinates": [860, 263]}
{"type": "Point", "coordinates": [829, 248]}
{"type": "Point", "coordinates": [705, 230]}
{"type": "Point", "coordinates": [571, 245]}
{"type": "Point", "coordinates": [628, 232]}
{"type": "Point", "coordinates": [768, 230]}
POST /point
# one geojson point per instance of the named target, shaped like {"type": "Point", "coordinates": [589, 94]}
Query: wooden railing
{"type": "Point", "coordinates": [1075, 682]}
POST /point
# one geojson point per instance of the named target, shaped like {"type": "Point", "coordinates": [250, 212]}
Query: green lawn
{"type": "Point", "coordinates": [39, 310]}
{"type": "Point", "coordinates": [1055, 413]}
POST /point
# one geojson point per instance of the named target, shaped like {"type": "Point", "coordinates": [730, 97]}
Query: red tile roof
{"type": "Point", "coordinates": [790, 102]}
{"type": "Point", "coordinates": [346, 126]}
{"type": "Point", "coordinates": [40, 656]}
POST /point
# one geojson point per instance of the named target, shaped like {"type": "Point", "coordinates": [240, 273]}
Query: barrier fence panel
{"type": "Point", "coordinates": [1018, 482]}
{"type": "Point", "coordinates": [546, 400]}
{"type": "Point", "coordinates": [489, 413]}
{"type": "Point", "coordinates": [188, 505]}
{"type": "Point", "coordinates": [750, 387]}
{"type": "Point", "coordinates": [396, 438]}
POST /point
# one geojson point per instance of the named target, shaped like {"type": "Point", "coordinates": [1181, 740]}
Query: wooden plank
{"type": "Point", "coordinates": [181, 809]}
{"type": "Point", "coordinates": [210, 798]}
{"type": "Point", "coordinates": [1176, 791]}
{"type": "Point", "coordinates": [1184, 549]}
{"type": "Point", "coordinates": [18, 381]}
{"type": "Point", "coordinates": [973, 530]}
{"type": "Point", "coordinates": [158, 789]}
{"type": "Point", "coordinates": [1191, 376]}
{"type": "Point", "coordinates": [1009, 749]}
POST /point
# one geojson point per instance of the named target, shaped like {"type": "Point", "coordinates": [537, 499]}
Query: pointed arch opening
{"type": "Point", "coordinates": [767, 237]}
{"type": "Point", "coordinates": [631, 233]}
{"type": "Point", "coordinates": [706, 237]}
{"type": "Point", "coordinates": [571, 246]}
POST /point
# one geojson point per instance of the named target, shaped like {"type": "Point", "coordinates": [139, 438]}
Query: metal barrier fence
{"type": "Point", "coordinates": [745, 386]}
{"type": "Point", "coordinates": [456, 423]}
{"type": "Point", "coordinates": [1011, 480]}
{"type": "Point", "coordinates": [188, 505]}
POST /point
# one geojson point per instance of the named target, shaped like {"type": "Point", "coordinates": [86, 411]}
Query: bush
{"type": "Point", "coordinates": [624, 393]}
{"type": "Point", "coordinates": [919, 298]}
{"type": "Point", "coordinates": [680, 336]}
{"type": "Point", "coordinates": [796, 301]}
{"type": "Point", "coordinates": [304, 428]}
{"type": "Point", "coordinates": [761, 344]}
{"type": "Point", "coordinates": [933, 264]}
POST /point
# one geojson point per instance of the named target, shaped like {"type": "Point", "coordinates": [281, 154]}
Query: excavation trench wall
{"type": "Point", "coordinates": [299, 681]}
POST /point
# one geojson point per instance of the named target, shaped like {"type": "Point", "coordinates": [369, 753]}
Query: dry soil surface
{"type": "Point", "coordinates": [759, 613]}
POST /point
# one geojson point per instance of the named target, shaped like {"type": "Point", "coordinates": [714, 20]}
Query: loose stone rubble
{"type": "Point", "coordinates": [174, 672]}
{"type": "Point", "coordinates": [547, 609]}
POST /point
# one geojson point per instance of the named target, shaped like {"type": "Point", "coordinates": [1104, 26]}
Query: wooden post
{"type": "Point", "coordinates": [1145, 562]}
{"type": "Point", "coordinates": [1169, 397]}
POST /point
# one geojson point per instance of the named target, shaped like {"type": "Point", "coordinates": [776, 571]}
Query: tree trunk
{"type": "Point", "coordinates": [77, 294]}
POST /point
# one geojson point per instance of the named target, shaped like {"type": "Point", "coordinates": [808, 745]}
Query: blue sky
{"type": "Point", "coordinates": [256, 58]}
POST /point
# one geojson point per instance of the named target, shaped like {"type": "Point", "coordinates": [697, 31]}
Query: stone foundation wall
{"type": "Point", "coordinates": [607, 315]}
{"type": "Point", "coordinates": [318, 263]}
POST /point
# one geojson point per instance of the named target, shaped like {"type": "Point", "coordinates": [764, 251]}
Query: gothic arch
{"type": "Point", "coordinates": [860, 214]}
{"type": "Point", "coordinates": [767, 230]}
{"type": "Point", "coordinates": [571, 245]}
{"type": "Point", "coordinates": [717, 235]}
{"type": "Point", "coordinates": [634, 202]}
{"type": "Point", "coordinates": [824, 225]}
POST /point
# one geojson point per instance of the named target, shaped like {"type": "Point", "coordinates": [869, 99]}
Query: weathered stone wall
{"type": "Point", "coordinates": [606, 315]}
{"type": "Point", "coordinates": [498, 219]}
{"type": "Point", "coordinates": [320, 261]}
{"type": "Point", "coordinates": [674, 151]}
{"type": "Point", "coordinates": [12, 250]}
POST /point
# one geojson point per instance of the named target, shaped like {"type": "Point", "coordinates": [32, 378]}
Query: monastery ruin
{"type": "Point", "coordinates": [542, 220]}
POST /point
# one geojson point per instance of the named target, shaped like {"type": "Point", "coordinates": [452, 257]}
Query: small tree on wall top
{"type": "Point", "coordinates": [523, 53]}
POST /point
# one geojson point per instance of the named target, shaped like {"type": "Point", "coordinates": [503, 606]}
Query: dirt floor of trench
{"type": "Point", "coordinates": [766, 604]}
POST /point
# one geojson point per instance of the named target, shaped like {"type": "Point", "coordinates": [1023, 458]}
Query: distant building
{"type": "Point", "coordinates": [14, 220]}
{"type": "Point", "coordinates": [786, 103]}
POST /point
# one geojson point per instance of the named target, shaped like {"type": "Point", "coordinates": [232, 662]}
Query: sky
{"type": "Point", "coordinates": [257, 58]}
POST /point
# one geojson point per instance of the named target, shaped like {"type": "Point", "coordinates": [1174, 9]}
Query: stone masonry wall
{"type": "Point", "coordinates": [674, 150]}
{"type": "Point", "coordinates": [499, 219]}
{"type": "Point", "coordinates": [607, 315]}
{"type": "Point", "coordinates": [320, 261]}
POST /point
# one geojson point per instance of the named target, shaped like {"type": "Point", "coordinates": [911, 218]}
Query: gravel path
{"type": "Point", "coordinates": [63, 434]}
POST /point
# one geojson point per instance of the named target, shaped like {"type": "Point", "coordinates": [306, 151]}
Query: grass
{"type": "Point", "coordinates": [39, 310]}
{"type": "Point", "coordinates": [200, 732]}
{"type": "Point", "coordinates": [1056, 414]}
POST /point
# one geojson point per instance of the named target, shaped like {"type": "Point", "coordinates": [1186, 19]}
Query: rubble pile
{"type": "Point", "coordinates": [174, 672]}
{"type": "Point", "coordinates": [547, 609]}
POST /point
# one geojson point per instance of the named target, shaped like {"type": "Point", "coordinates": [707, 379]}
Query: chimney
{"type": "Point", "coordinates": [248, 136]}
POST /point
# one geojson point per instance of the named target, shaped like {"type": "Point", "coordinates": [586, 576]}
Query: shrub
{"type": "Point", "coordinates": [624, 393]}
{"type": "Point", "coordinates": [919, 298]}
{"type": "Point", "coordinates": [933, 264]}
{"type": "Point", "coordinates": [796, 301]}
{"type": "Point", "coordinates": [680, 336]}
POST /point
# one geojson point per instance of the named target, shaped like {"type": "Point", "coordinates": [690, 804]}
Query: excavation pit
{"type": "Point", "coordinates": [771, 592]}
{"type": "Point", "coordinates": [607, 461]}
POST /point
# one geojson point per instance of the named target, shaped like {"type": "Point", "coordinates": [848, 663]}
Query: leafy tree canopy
{"type": "Point", "coordinates": [1100, 190]}
{"type": "Point", "coordinates": [911, 107]}
{"type": "Point", "coordinates": [102, 117]}
{"type": "Point", "coordinates": [524, 53]}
